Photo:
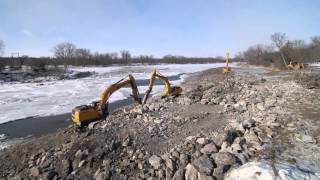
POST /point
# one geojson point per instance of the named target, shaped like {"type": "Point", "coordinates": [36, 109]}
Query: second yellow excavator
{"type": "Point", "coordinates": [227, 69]}
{"type": "Point", "coordinates": [295, 65]}
{"type": "Point", "coordinates": [97, 110]}
{"type": "Point", "coordinates": [299, 66]}
{"type": "Point", "coordinates": [168, 90]}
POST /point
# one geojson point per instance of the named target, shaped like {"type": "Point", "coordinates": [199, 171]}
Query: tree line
{"type": "Point", "coordinates": [278, 54]}
{"type": "Point", "coordinates": [282, 51]}
{"type": "Point", "coordinates": [67, 54]}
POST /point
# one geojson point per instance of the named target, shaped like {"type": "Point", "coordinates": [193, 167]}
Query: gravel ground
{"type": "Point", "coordinates": [218, 124]}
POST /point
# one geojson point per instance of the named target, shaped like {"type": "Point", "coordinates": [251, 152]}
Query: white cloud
{"type": "Point", "coordinates": [27, 32]}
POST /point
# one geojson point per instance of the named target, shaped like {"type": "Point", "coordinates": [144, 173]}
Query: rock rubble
{"type": "Point", "coordinates": [216, 126]}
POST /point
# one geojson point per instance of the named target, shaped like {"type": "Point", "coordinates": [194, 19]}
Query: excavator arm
{"type": "Point", "coordinates": [168, 90]}
{"type": "Point", "coordinates": [97, 110]}
{"type": "Point", "coordinates": [103, 104]}
{"type": "Point", "coordinates": [227, 69]}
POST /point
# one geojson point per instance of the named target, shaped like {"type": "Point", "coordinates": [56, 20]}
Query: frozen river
{"type": "Point", "coordinates": [19, 101]}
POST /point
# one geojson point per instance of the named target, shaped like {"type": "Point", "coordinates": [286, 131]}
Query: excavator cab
{"type": "Point", "coordinates": [300, 66]}
{"type": "Point", "coordinates": [99, 109]}
{"type": "Point", "coordinates": [85, 113]}
{"type": "Point", "coordinates": [226, 70]}
{"type": "Point", "coordinates": [175, 90]}
{"type": "Point", "coordinates": [290, 66]}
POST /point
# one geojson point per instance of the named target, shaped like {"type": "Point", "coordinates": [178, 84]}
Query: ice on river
{"type": "Point", "coordinates": [18, 101]}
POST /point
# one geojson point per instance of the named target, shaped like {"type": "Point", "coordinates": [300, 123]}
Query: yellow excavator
{"type": "Point", "coordinates": [300, 66]}
{"type": "Point", "coordinates": [290, 66]}
{"type": "Point", "coordinates": [85, 114]}
{"type": "Point", "coordinates": [227, 69]}
{"type": "Point", "coordinates": [295, 65]}
{"type": "Point", "coordinates": [168, 90]}
{"type": "Point", "coordinates": [97, 110]}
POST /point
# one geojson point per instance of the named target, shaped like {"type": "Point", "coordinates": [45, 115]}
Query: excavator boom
{"type": "Point", "coordinates": [116, 86]}
{"type": "Point", "coordinates": [227, 69]}
{"type": "Point", "coordinates": [168, 90]}
{"type": "Point", "coordinates": [97, 110]}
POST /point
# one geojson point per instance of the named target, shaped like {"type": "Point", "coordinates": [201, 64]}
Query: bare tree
{"type": "Point", "coordinates": [315, 41]}
{"type": "Point", "coordinates": [1, 47]}
{"type": "Point", "coordinates": [2, 64]}
{"type": "Point", "coordinates": [295, 50]}
{"type": "Point", "coordinates": [83, 53]}
{"type": "Point", "coordinates": [145, 58]}
{"type": "Point", "coordinates": [315, 48]}
{"type": "Point", "coordinates": [125, 55]}
{"type": "Point", "coordinates": [113, 55]}
{"type": "Point", "coordinates": [64, 50]}
{"type": "Point", "coordinates": [279, 39]}
{"type": "Point", "coordinates": [258, 54]}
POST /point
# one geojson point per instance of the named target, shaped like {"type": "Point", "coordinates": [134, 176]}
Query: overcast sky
{"type": "Point", "coordinates": [158, 27]}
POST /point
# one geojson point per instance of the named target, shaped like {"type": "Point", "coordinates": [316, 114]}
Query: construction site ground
{"type": "Point", "coordinates": [251, 114]}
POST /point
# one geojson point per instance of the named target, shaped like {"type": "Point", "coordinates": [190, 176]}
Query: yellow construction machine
{"type": "Point", "coordinates": [227, 69]}
{"type": "Point", "coordinates": [85, 114]}
{"type": "Point", "coordinates": [300, 66]}
{"type": "Point", "coordinates": [290, 66]}
{"type": "Point", "coordinates": [97, 110]}
{"type": "Point", "coordinates": [168, 90]}
{"type": "Point", "coordinates": [295, 65]}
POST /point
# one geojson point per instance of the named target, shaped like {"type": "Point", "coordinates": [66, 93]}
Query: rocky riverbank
{"type": "Point", "coordinates": [216, 126]}
{"type": "Point", "coordinates": [30, 76]}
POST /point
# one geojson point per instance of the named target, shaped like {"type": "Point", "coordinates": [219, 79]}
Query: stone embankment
{"type": "Point", "coordinates": [217, 125]}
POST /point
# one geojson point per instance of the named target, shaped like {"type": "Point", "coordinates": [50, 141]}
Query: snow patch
{"type": "Point", "coordinates": [3, 144]}
{"type": "Point", "coordinates": [264, 171]}
{"type": "Point", "coordinates": [2, 137]}
{"type": "Point", "coordinates": [315, 65]}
